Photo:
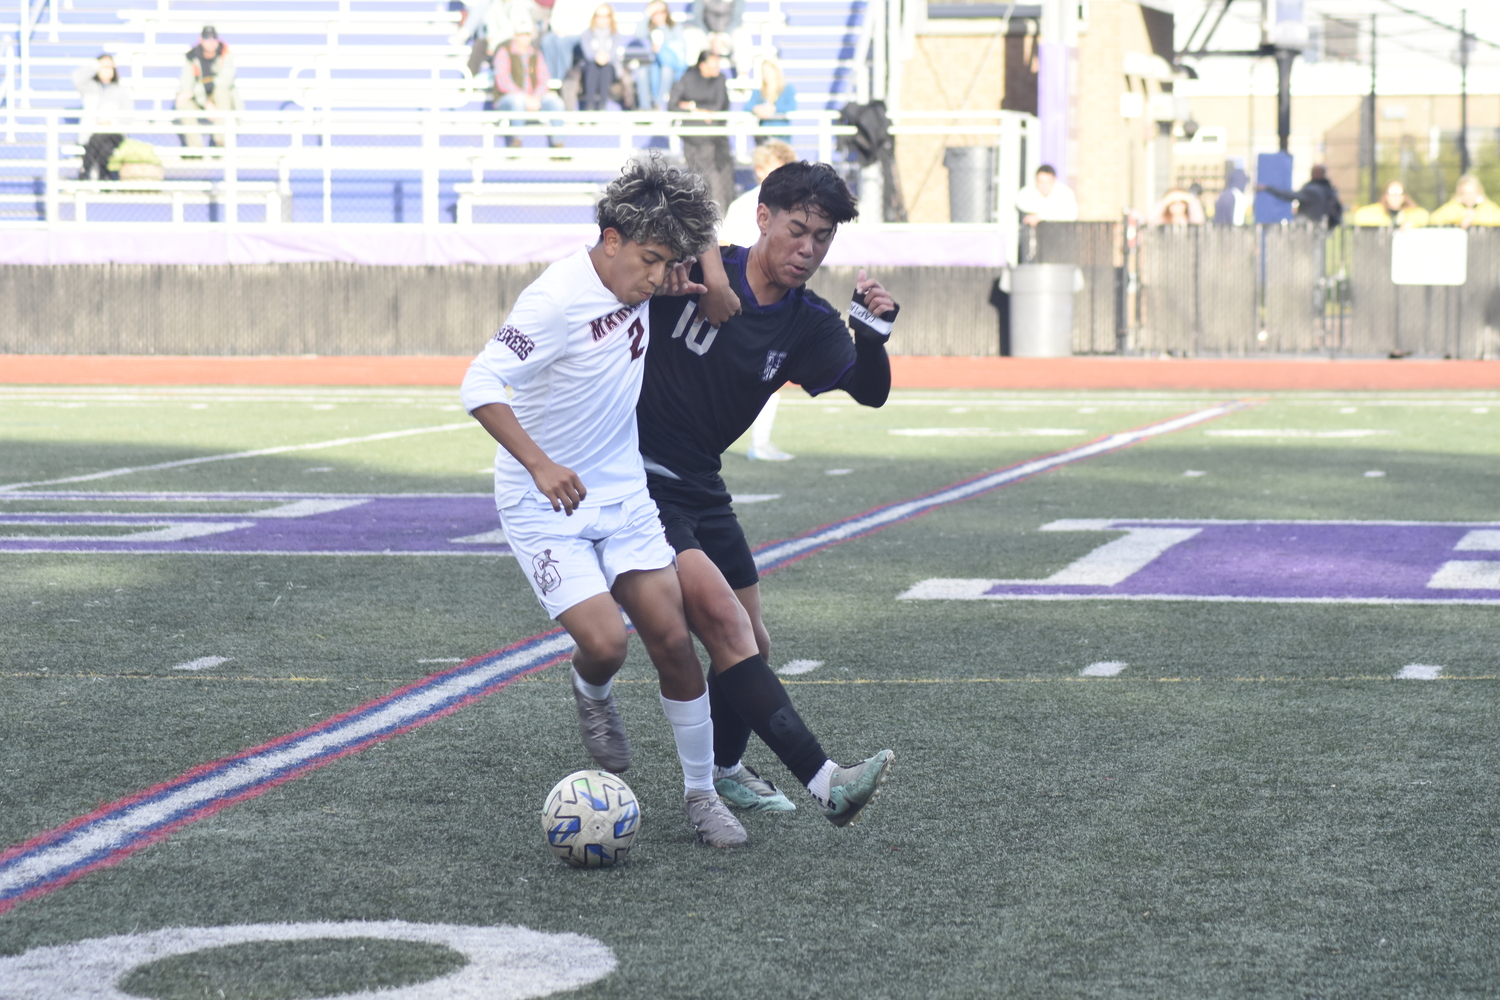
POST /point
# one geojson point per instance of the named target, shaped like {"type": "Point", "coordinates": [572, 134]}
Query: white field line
{"type": "Point", "coordinates": [792, 548]}
{"type": "Point", "coordinates": [1419, 672]}
{"type": "Point", "coordinates": [255, 453]}
{"type": "Point", "coordinates": [794, 667]}
{"type": "Point", "coordinates": [110, 834]}
{"type": "Point", "coordinates": [203, 663]}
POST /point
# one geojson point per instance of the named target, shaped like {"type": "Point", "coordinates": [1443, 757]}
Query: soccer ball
{"type": "Point", "coordinates": [590, 819]}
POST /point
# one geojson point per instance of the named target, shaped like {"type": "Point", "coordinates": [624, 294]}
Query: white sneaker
{"type": "Point", "coordinates": [769, 453]}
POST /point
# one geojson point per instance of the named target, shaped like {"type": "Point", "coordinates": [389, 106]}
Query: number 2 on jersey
{"type": "Point", "coordinates": [636, 332]}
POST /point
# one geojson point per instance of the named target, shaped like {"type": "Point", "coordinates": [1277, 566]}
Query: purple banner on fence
{"type": "Point", "coordinates": [259, 524]}
{"type": "Point", "coordinates": [1294, 561]}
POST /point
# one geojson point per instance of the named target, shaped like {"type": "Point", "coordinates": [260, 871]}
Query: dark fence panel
{"type": "Point", "coordinates": [350, 309]}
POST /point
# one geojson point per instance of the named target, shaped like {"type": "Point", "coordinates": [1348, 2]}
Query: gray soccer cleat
{"type": "Point", "coordinates": [716, 825]}
{"type": "Point", "coordinates": [749, 791]}
{"type": "Point", "coordinates": [603, 732]}
{"type": "Point", "coordinates": [854, 787]}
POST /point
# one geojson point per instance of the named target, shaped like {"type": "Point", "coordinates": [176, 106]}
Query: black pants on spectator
{"type": "Point", "coordinates": [96, 154]}
{"type": "Point", "coordinates": [596, 83]}
{"type": "Point", "coordinates": [709, 158]}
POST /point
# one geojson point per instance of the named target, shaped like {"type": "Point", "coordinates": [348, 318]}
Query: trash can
{"type": "Point", "coordinates": [1041, 310]}
{"type": "Point", "coordinates": [971, 183]}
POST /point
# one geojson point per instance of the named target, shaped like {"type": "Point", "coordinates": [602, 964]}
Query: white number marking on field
{"type": "Point", "coordinates": [1116, 561]}
{"type": "Point", "coordinates": [1479, 540]}
{"type": "Point", "coordinates": [1470, 574]}
{"type": "Point", "coordinates": [495, 537]}
{"type": "Point", "coordinates": [755, 497]}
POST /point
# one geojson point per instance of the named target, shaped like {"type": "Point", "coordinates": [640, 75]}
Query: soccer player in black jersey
{"type": "Point", "coordinates": [704, 385]}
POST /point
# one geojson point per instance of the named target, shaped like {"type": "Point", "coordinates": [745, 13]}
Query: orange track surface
{"type": "Point", "coordinates": [908, 372]}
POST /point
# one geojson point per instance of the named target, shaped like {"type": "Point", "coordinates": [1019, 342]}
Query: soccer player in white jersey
{"type": "Point", "coordinates": [557, 388]}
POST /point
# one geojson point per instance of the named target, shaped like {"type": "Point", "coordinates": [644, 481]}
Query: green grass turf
{"type": "Point", "coordinates": [1254, 808]}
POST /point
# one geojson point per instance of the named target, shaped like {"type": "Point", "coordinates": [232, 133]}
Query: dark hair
{"type": "Point", "coordinates": [809, 187]}
{"type": "Point", "coordinates": [705, 54]}
{"type": "Point", "coordinates": [1046, 168]}
{"type": "Point", "coordinates": [208, 32]}
{"type": "Point", "coordinates": [652, 202]}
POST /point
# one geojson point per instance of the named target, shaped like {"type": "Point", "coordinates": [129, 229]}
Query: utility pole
{"type": "Point", "coordinates": [1463, 100]}
{"type": "Point", "coordinates": [1370, 116]}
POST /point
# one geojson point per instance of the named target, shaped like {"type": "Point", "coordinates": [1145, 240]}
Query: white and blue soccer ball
{"type": "Point", "coordinates": [591, 819]}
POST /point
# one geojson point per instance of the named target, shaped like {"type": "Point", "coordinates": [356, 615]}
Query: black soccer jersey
{"type": "Point", "coordinates": [704, 385]}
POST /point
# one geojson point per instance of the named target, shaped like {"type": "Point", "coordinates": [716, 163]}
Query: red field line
{"type": "Point", "coordinates": [1250, 374]}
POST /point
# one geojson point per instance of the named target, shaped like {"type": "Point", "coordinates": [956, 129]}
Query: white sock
{"type": "Point", "coordinates": [819, 785]}
{"type": "Point", "coordinates": [724, 772]}
{"type": "Point", "coordinates": [596, 691]}
{"type": "Point", "coordinates": [760, 431]}
{"type": "Point", "coordinates": [694, 731]}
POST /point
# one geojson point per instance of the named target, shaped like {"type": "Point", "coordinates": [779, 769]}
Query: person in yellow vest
{"type": "Point", "coordinates": [1469, 207]}
{"type": "Point", "coordinates": [1395, 209]}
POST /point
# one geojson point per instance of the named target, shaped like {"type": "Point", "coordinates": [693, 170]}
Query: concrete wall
{"type": "Point", "coordinates": [347, 309]}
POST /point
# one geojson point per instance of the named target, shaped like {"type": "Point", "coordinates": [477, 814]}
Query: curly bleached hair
{"type": "Point", "coordinates": [652, 202]}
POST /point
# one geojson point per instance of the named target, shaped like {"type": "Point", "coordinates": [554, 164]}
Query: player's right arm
{"type": "Point", "coordinates": [534, 335]}
{"type": "Point", "coordinates": [558, 483]}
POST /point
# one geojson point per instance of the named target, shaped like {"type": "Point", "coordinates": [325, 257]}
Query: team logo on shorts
{"type": "Point", "coordinates": [773, 364]}
{"type": "Point", "coordinates": [544, 571]}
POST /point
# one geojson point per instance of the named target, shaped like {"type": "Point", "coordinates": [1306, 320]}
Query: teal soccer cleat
{"type": "Point", "coordinates": [744, 789]}
{"type": "Point", "coordinates": [854, 787]}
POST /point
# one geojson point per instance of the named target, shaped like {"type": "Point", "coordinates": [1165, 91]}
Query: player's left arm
{"type": "Point", "coordinates": [872, 312]}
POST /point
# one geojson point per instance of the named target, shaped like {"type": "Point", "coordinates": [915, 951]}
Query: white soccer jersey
{"type": "Point", "coordinates": [568, 360]}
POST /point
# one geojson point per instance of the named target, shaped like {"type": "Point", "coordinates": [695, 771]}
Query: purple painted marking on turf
{"type": "Point", "coordinates": [425, 525]}
{"type": "Point", "coordinates": [1288, 561]}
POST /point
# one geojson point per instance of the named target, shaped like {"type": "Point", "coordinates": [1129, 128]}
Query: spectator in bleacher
{"type": "Point", "coordinates": [774, 100]}
{"type": "Point", "coordinates": [473, 32]}
{"type": "Point", "coordinates": [703, 88]}
{"type": "Point", "coordinates": [603, 50]}
{"type": "Point", "coordinates": [740, 227]}
{"type": "Point", "coordinates": [718, 17]}
{"type": "Point", "coordinates": [207, 81]}
{"type": "Point", "coordinates": [104, 97]}
{"type": "Point", "coordinates": [1395, 209]}
{"type": "Point", "coordinates": [521, 80]}
{"type": "Point", "coordinates": [566, 27]}
{"type": "Point", "coordinates": [660, 35]}
{"type": "Point", "coordinates": [1469, 207]}
{"type": "Point", "coordinates": [1046, 199]}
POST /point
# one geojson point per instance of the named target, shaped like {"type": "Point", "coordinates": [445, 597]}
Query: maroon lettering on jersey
{"type": "Point", "coordinates": [516, 341]}
{"type": "Point", "coordinates": [605, 325]}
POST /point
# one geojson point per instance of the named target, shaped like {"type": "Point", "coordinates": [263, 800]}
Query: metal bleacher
{"type": "Point", "coordinates": [337, 92]}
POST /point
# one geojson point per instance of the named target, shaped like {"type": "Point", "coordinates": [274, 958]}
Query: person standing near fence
{"type": "Point", "coordinates": [1046, 199]}
{"type": "Point", "coordinates": [1233, 203]}
{"type": "Point", "coordinates": [703, 88]}
{"type": "Point", "coordinates": [207, 82]}
{"type": "Point", "coordinates": [1469, 207]}
{"type": "Point", "coordinates": [1395, 210]}
{"type": "Point", "coordinates": [104, 97]}
{"type": "Point", "coordinates": [1317, 200]}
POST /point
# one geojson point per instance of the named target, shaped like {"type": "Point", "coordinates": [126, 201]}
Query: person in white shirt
{"type": "Point", "coordinates": [557, 388]}
{"type": "Point", "coordinates": [1046, 199]}
{"type": "Point", "coordinates": [741, 229]}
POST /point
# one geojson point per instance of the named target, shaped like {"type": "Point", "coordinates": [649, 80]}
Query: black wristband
{"type": "Point", "coordinates": [866, 322]}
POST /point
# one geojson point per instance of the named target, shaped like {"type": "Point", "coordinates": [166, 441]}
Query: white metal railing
{"type": "Point", "coordinates": [430, 143]}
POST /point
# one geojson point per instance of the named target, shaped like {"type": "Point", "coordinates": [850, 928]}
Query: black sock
{"type": "Point", "coordinates": [731, 733]}
{"type": "Point", "coordinates": [756, 694]}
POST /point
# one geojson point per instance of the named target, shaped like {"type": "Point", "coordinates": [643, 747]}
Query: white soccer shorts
{"type": "Point", "coordinates": [570, 559]}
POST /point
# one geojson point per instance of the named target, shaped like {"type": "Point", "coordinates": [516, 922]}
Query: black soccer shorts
{"type": "Point", "coordinates": [715, 532]}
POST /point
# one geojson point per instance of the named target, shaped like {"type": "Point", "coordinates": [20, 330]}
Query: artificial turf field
{"type": "Point", "coordinates": [1257, 803]}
